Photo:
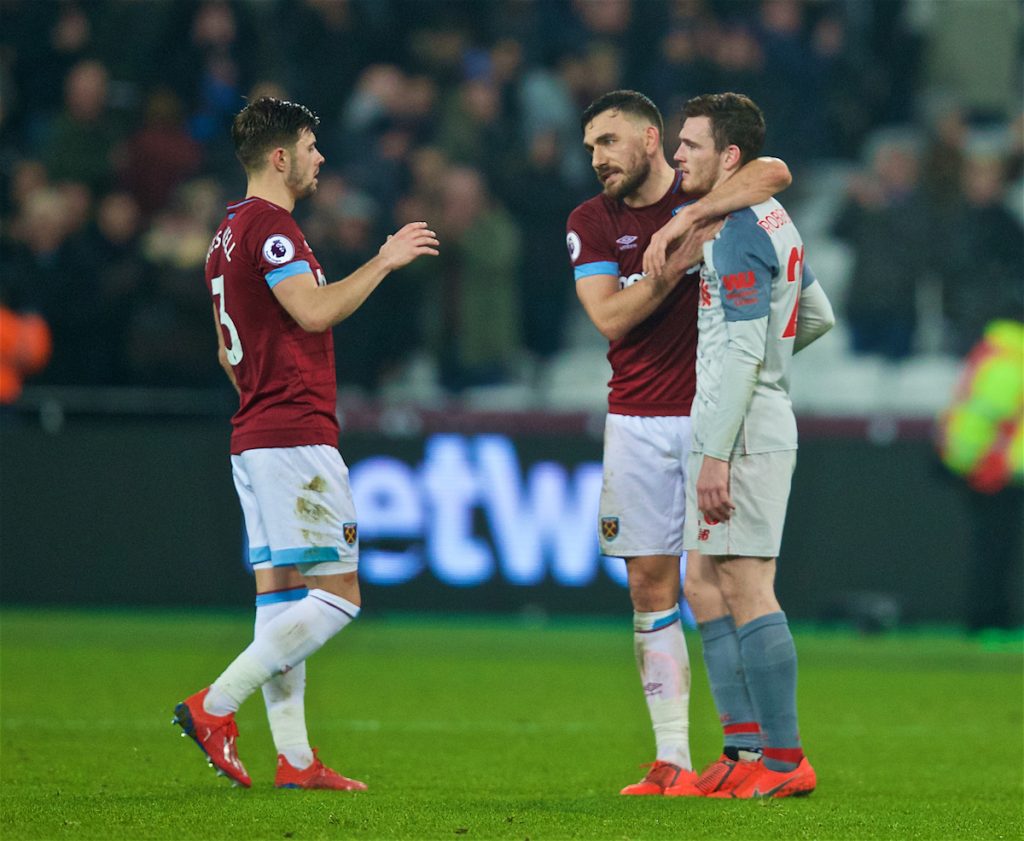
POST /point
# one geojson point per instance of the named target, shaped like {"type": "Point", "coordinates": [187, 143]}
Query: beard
{"type": "Point", "coordinates": [693, 185]}
{"type": "Point", "coordinates": [630, 181]}
{"type": "Point", "coordinates": [301, 189]}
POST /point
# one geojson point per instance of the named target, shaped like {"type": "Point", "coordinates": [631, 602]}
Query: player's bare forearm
{"type": "Point", "coordinates": [318, 308]}
{"type": "Point", "coordinates": [339, 300]}
{"type": "Point", "coordinates": [616, 311]}
{"type": "Point", "coordinates": [753, 183]}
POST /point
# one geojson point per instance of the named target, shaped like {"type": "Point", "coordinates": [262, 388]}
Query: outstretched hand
{"type": "Point", "coordinates": [408, 243]}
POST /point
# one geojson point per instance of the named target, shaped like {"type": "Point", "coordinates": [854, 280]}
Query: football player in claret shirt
{"type": "Point", "coordinates": [755, 283]}
{"type": "Point", "coordinates": [273, 311]}
{"type": "Point", "coordinates": [650, 320]}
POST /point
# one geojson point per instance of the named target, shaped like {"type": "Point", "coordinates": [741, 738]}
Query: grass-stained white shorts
{"type": "Point", "coordinates": [643, 495]}
{"type": "Point", "coordinates": [298, 508]}
{"type": "Point", "coordinates": [759, 487]}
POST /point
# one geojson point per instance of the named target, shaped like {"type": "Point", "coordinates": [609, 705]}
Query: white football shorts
{"type": "Point", "coordinates": [759, 487]}
{"type": "Point", "coordinates": [298, 509]}
{"type": "Point", "coordinates": [643, 496]}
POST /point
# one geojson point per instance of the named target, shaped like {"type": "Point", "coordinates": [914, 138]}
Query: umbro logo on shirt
{"type": "Point", "coordinates": [626, 242]}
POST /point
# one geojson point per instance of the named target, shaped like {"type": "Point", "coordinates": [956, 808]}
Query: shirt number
{"type": "Point", "coordinates": [794, 274]}
{"type": "Point", "coordinates": [234, 346]}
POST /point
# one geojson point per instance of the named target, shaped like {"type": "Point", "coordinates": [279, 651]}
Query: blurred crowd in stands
{"type": "Point", "coordinates": [116, 162]}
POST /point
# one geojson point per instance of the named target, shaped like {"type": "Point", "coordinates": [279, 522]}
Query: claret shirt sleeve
{"type": "Point", "coordinates": [591, 252]}
{"type": "Point", "coordinates": [280, 248]}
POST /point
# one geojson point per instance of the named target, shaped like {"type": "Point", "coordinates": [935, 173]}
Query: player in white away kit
{"type": "Point", "coordinates": [649, 320]}
{"type": "Point", "coordinates": [744, 451]}
{"type": "Point", "coordinates": [273, 310]}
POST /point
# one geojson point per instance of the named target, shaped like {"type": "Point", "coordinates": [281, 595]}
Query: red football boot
{"type": "Point", "coordinates": [216, 736]}
{"type": "Point", "coordinates": [317, 775]}
{"type": "Point", "coordinates": [661, 777]}
{"type": "Point", "coordinates": [723, 775]}
{"type": "Point", "coordinates": [764, 782]}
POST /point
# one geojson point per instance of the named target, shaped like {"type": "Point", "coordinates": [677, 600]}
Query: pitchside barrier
{"type": "Point", "coordinates": [458, 511]}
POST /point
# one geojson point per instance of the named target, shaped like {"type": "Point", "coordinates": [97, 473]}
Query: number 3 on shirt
{"type": "Point", "coordinates": [794, 274]}
{"type": "Point", "coordinates": [234, 347]}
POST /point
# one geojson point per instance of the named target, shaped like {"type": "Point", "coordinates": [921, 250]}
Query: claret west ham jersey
{"type": "Point", "coordinates": [653, 365]}
{"type": "Point", "coordinates": [285, 374]}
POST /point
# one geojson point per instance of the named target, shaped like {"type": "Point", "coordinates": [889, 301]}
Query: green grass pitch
{"type": "Point", "coordinates": [489, 729]}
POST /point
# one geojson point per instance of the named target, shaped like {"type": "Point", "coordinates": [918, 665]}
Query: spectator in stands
{"type": "Point", "coordinates": [383, 120]}
{"type": "Point", "coordinates": [944, 156]}
{"type": "Point", "coordinates": [472, 319]}
{"type": "Point", "coordinates": [110, 254]}
{"type": "Point", "coordinates": [40, 50]}
{"type": "Point", "coordinates": [378, 338]}
{"type": "Point", "coordinates": [683, 69]}
{"type": "Point", "coordinates": [982, 254]}
{"type": "Point", "coordinates": [475, 132]}
{"type": "Point", "coordinates": [167, 334]}
{"type": "Point", "coordinates": [541, 200]}
{"type": "Point", "coordinates": [29, 176]}
{"type": "Point", "coordinates": [43, 271]}
{"type": "Point", "coordinates": [503, 74]}
{"type": "Point", "coordinates": [213, 63]}
{"type": "Point", "coordinates": [81, 140]}
{"type": "Point", "coordinates": [844, 110]}
{"type": "Point", "coordinates": [548, 94]}
{"type": "Point", "coordinates": [316, 69]}
{"type": "Point", "coordinates": [738, 61]}
{"type": "Point", "coordinates": [161, 154]}
{"type": "Point", "coordinates": [887, 223]}
{"type": "Point", "coordinates": [780, 35]}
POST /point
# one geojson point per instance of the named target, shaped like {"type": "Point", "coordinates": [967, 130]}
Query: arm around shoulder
{"type": "Point", "coordinates": [752, 184]}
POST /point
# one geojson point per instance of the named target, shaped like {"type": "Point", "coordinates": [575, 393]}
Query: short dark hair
{"type": "Point", "coordinates": [629, 102]}
{"type": "Point", "coordinates": [265, 124]}
{"type": "Point", "coordinates": [735, 121]}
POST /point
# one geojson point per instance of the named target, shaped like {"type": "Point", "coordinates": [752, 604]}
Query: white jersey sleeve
{"type": "Point", "coordinates": [748, 322]}
{"type": "Point", "coordinates": [815, 316]}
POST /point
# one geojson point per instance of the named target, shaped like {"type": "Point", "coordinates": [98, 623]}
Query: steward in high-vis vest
{"type": "Point", "coordinates": [981, 434]}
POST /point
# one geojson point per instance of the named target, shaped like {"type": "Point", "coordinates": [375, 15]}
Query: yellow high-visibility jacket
{"type": "Point", "coordinates": [981, 434]}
